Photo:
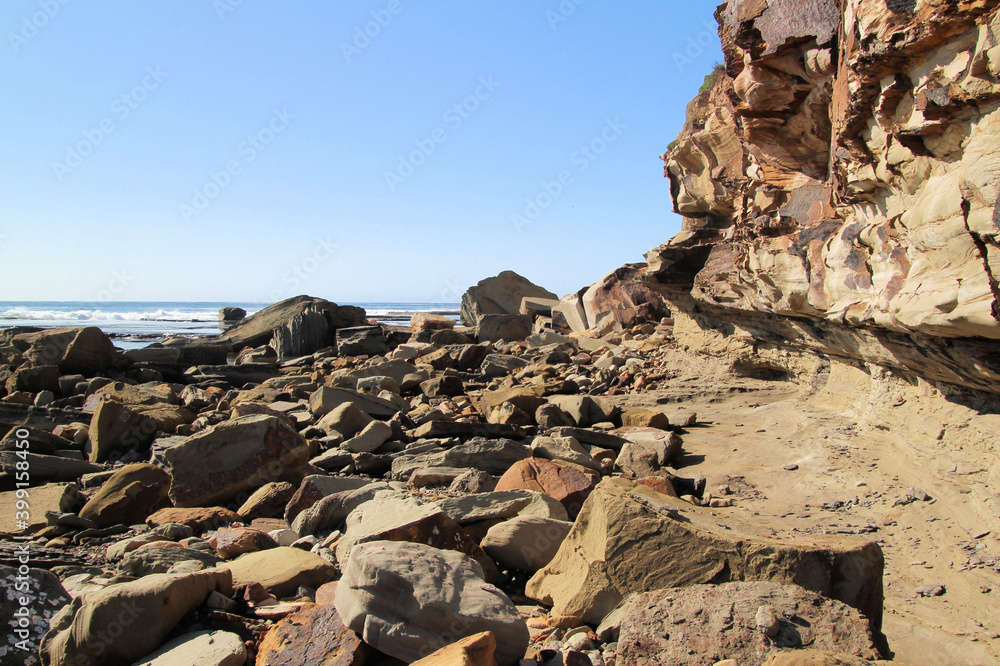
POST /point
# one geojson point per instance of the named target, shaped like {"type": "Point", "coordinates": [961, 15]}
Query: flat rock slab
{"type": "Point", "coordinates": [630, 538]}
{"type": "Point", "coordinates": [234, 457]}
{"type": "Point", "coordinates": [316, 636]}
{"type": "Point", "coordinates": [205, 648]}
{"type": "Point", "coordinates": [704, 624]}
{"type": "Point", "coordinates": [500, 505]}
{"type": "Point", "coordinates": [434, 429]}
{"type": "Point", "coordinates": [494, 456]}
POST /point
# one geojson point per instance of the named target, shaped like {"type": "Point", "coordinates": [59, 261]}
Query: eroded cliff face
{"type": "Point", "coordinates": [839, 184]}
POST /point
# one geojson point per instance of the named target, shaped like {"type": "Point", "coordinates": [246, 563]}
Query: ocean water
{"type": "Point", "coordinates": [138, 323]}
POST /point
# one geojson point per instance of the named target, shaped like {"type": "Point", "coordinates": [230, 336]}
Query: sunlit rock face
{"type": "Point", "coordinates": [839, 182]}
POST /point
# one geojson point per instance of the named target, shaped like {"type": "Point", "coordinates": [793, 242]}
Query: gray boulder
{"type": "Point", "coordinates": [408, 600]}
{"type": "Point", "coordinates": [233, 458]}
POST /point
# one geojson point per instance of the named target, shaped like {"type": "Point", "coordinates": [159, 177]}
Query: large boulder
{"type": "Point", "coordinates": [362, 340]}
{"type": "Point", "coordinates": [500, 294]}
{"type": "Point", "coordinates": [142, 613]}
{"type": "Point", "coordinates": [732, 625]}
{"type": "Point", "coordinates": [234, 457]}
{"type": "Point", "coordinates": [622, 296]}
{"type": "Point", "coordinates": [599, 563]}
{"type": "Point", "coordinates": [85, 351]}
{"type": "Point", "coordinates": [129, 496]}
{"type": "Point", "coordinates": [261, 327]}
{"type": "Point", "coordinates": [408, 600]}
{"type": "Point", "coordinates": [304, 333]}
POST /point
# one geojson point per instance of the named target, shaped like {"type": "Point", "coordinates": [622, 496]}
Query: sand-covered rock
{"type": "Point", "coordinates": [704, 624]}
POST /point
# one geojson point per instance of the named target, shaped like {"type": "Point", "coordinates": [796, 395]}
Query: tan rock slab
{"type": "Point", "coordinates": [630, 538]}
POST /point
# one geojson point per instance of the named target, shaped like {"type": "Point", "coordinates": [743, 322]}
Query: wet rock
{"type": "Point", "coordinates": [129, 496]}
{"type": "Point", "coordinates": [597, 565]}
{"type": "Point", "coordinates": [408, 600]}
{"type": "Point", "coordinates": [143, 613]}
{"type": "Point", "coordinates": [219, 463]}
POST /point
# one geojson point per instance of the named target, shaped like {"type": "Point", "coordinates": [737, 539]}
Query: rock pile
{"type": "Point", "coordinates": [388, 496]}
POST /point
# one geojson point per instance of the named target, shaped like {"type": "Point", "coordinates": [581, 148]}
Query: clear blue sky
{"type": "Point", "coordinates": [254, 150]}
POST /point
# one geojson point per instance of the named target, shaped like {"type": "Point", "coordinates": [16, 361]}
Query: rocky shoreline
{"type": "Point", "coordinates": [485, 491]}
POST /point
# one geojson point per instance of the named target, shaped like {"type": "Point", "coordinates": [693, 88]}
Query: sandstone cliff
{"type": "Point", "coordinates": [839, 183]}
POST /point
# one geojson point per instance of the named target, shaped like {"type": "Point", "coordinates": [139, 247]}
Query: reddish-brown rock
{"type": "Point", "coordinates": [229, 542]}
{"type": "Point", "coordinates": [199, 519]}
{"type": "Point", "coordinates": [565, 483]}
{"type": "Point", "coordinates": [316, 636]}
